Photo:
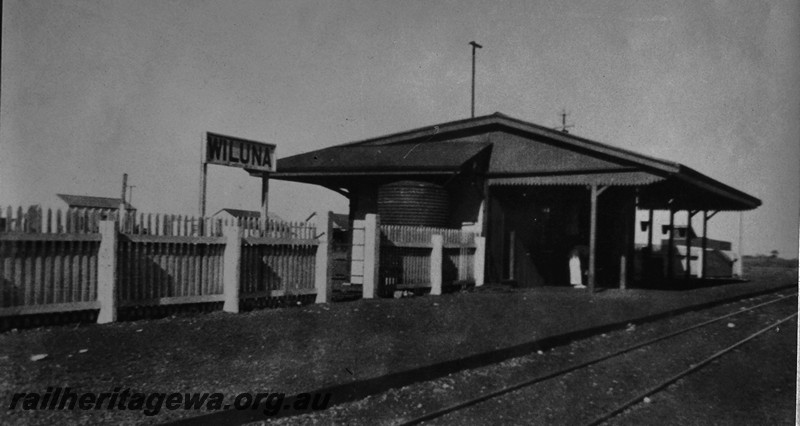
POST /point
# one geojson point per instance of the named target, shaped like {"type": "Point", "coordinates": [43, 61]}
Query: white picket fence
{"type": "Point", "coordinates": [50, 261]}
{"type": "Point", "coordinates": [406, 252]}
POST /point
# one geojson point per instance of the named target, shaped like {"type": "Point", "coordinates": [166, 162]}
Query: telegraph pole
{"type": "Point", "coordinates": [474, 46]}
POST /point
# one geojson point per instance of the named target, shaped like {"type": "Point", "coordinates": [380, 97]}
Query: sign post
{"type": "Point", "coordinates": [264, 196]}
{"type": "Point", "coordinates": [257, 158]}
{"type": "Point", "coordinates": [203, 173]}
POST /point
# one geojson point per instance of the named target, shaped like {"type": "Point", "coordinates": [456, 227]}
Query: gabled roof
{"type": "Point", "coordinates": [249, 214]}
{"type": "Point", "coordinates": [448, 145]}
{"type": "Point", "coordinates": [466, 129]}
{"type": "Point", "coordinates": [85, 201]}
{"type": "Point", "coordinates": [522, 153]}
{"type": "Point", "coordinates": [446, 156]}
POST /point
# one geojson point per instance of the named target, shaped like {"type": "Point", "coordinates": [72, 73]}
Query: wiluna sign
{"type": "Point", "coordinates": [236, 152]}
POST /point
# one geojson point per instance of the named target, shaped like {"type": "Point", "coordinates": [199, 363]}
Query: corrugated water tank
{"type": "Point", "coordinates": [413, 203]}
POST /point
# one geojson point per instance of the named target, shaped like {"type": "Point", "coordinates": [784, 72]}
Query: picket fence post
{"type": "Point", "coordinates": [372, 255]}
{"type": "Point", "coordinates": [480, 260]}
{"type": "Point", "coordinates": [437, 248]}
{"type": "Point", "coordinates": [107, 272]}
{"type": "Point", "coordinates": [322, 272]}
{"type": "Point", "coordinates": [231, 268]}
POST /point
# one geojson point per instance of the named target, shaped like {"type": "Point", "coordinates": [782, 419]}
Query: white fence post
{"type": "Point", "coordinates": [322, 273]}
{"type": "Point", "coordinates": [107, 272]}
{"type": "Point", "coordinates": [372, 253]}
{"type": "Point", "coordinates": [231, 267]}
{"type": "Point", "coordinates": [480, 260]}
{"type": "Point", "coordinates": [437, 244]}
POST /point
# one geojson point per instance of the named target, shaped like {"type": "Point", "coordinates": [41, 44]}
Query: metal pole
{"type": "Point", "coordinates": [474, 46]}
{"type": "Point", "coordinates": [592, 238]}
{"type": "Point", "coordinates": [671, 245]}
{"type": "Point", "coordinates": [512, 244]}
{"type": "Point", "coordinates": [485, 228]}
{"type": "Point", "coordinates": [704, 245]}
{"type": "Point", "coordinates": [628, 252]}
{"type": "Point", "coordinates": [264, 196]}
{"type": "Point", "coordinates": [203, 171]}
{"type": "Point", "coordinates": [688, 275]}
{"type": "Point", "coordinates": [741, 239]}
{"type": "Point", "coordinates": [650, 232]}
{"type": "Point", "coordinates": [122, 209]}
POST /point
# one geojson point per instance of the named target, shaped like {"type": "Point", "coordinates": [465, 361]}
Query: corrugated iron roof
{"type": "Point", "coordinates": [470, 128]}
{"type": "Point", "coordinates": [514, 153]}
{"type": "Point", "coordinates": [249, 214]}
{"type": "Point", "coordinates": [443, 156]}
{"type": "Point", "coordinates": [688, 189]}
{"type": "Point", "coordinates": [85, 201]}
{"type": "Point", "coordinates": [628, 178]}
{"type": "Point", "coordinates": [518, 149]}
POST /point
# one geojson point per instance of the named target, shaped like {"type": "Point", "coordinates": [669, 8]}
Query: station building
{"type": "Point", "coordinates": [535, 193]}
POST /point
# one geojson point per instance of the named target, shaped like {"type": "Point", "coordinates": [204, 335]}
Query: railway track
{"type": "Point", "coordinates": [641, 397]}
{"type": "Point", "coordinates": [586, 364]}
{"type": "Point", "coordinates": [556, 385]}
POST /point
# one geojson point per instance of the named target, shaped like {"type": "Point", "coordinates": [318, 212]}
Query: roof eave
{"type": "Point", "coordinates": [330, 173]}
{"type": "Point", "coordinates": [693, 177]}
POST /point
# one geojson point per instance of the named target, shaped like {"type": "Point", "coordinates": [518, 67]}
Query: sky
{"type": "Point", "coordinates": [94, 89]}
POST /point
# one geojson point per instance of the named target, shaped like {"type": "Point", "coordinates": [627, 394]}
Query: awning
{"type": "Point", "coordinates": [628, 178]}
{"type": "Point", "coordinates": [409, 157]}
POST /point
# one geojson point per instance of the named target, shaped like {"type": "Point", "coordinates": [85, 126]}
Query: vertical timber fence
{"type": "Point", "coordinates": [48, 263]}
{"type": "Point", "coordinates": [58, 262]}
{"type": "Point", "coordinates": [408, 256]}
{"type": "Point", "coordinates": [100, 262]}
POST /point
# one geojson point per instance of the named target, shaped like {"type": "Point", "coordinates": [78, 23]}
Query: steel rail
{"type": "Point", "coordinates": [547, 376]}
{"type": "Point", "coordinates": [637, 399]}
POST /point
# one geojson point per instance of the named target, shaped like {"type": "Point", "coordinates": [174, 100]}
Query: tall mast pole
{"type": "Point", "coordinates": [122, 208]}
{"type": "Point", "coordinates": [474, 46]}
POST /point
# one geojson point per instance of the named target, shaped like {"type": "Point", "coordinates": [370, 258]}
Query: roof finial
{"type": "Point", "coordinates": [564, 126]}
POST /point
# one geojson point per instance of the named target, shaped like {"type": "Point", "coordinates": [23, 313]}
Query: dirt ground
{"type": "Point", "coordinates": [752, 388]}
{"type": "Point", "coordinates": [292, 350]}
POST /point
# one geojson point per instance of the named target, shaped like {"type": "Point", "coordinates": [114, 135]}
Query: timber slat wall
{"type": "Point", "coordinates": [150, 270]}
{"type": "Point", "coordinates": [405, 256]}
{"type": "Point", "coordinates": [459, 264]}
{"type": "Point", "coordinates": [48, 262]}
{"type": "Point", "coordinates": [277, 269]}
{"type": "Point", "coordinates": [278, 258]}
